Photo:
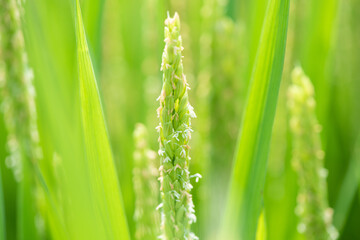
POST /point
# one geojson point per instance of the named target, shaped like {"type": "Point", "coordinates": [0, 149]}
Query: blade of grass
{"type": "Point", "coordinates": [92, 17]}
{"type": "Point", "coordinates": [348, 189]}
{"type": "Point", "coordinates": [103, 175]}
{"type": "Point", "coordinates": [2, 212]}
{"type": "Point", "coordinates": [254, 21]}
{"type": "Point", "coordinates": [281, 185]}
{"type": "Point", "coordinates": [248, 177]}
{"type": "Point", "coordinates": [53, 97]}
{"type": "Point", "coordinates": [69, 200]}
{"type": "Point", "coordinates": [261, 228]}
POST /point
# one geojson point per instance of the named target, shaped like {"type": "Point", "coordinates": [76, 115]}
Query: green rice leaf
{"type": "Point", "coordinates": [103, 176]}
{"type": "Point", "coordinates": [92, 17]}
{"type": "Point", "coordinates": [2, 213]}
{"type": "Point", "coordinates": [261, 228]}
{"type": "Point", "coordinates": [348, 189]}
{"type": "Point", "coordinates": [248, 177]}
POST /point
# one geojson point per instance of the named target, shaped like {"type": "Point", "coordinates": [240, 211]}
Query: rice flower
{"type": "Point", "coordinates": [146, 187]}
{"type": "Point", "coordinates": [18, 105]}
{"type": "Point", "coordinates": [17, 90]}
{"type": "Point", "coordinates": [175, 113]}
{"type": "Point", "coordinates": [308, 160]}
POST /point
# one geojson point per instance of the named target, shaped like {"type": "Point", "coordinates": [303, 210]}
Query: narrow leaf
{"type": "Point", "coordinates": [248, 177]}
{"type": "Point", "coordinates": [348, 189]}
{"type": "Point", "coordinates": [261, 229]}
{"type": "Point", "coordinates": [103, 176]}
{"type": "Point", "coordinates": [2, 213]}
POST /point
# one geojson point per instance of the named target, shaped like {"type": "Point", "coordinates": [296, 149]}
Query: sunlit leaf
{"type": "Point", "coordinates": [103, 177]}
{"type": "Point", "coordinates": [348, 189]}
{"type": "Point", "coordinates": [245, 193]}
{"type": "Point", "coordinates": [2, 213]}
{"type": "Point", "coordinates": [261, 228]}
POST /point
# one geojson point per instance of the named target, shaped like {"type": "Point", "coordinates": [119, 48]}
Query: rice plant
{"type": "Point", "coordinates": [19, 110]}
{"type": "Point", "coordinates": [146, 187]}
{"type": "Point", "coordinates": [175, 113]}
{"type": "Point", "coordinates": [77, 77]}
{"type": "Point", "coordinates": [312, 209]}
{"type": "Point", "coordinates": [2, 217]}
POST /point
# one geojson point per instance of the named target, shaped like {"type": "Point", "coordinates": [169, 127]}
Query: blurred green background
{"type": "Point", "coordinates": [220, 39]}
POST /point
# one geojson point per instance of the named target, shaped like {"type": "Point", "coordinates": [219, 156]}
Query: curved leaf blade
{"type": "Point", "coordinates": [348, 189]}
{"type": "Point", "coordinates": [261, 233]}
{"type": "Point", "coordinates": [248, 177]}
{"type": "Point", "coordinates": [2, 212]}
{"type": "Point", "coordinates": [103, 176]}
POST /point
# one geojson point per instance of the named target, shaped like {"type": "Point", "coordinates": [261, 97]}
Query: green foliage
{"type": "Point", "coordinates": [248, 176]}
{"type": "Point", "coordinates": [20, 116]}
{"type": "Point", "coordinates": [312, 209]}
{"type": "Point", "coordinates": [218, 92]}
{"type": "Point", "coordinates": [348, 189]}
{"type": "Point", "coordinates": [229, 57]}
{"type": "Point", "coordinates": [146, 187]}
{"type": "Point", "coordinates": [2, 212]}
{"type": "Point", "coordinates": [103, 175]}
{"type": "Point", "coordinates": [261, 228]}
{"type": "Point", "coordinates": [175, 113]}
